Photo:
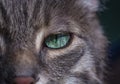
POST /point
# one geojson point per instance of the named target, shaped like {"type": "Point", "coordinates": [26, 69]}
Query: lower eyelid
{"type": "Point", "coordinates": [76, 42]}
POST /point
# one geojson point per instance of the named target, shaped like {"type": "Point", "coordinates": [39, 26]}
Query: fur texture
{"type": "Point", "coordinates": [24, 24]}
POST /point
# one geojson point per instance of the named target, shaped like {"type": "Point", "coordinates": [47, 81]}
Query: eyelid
{"type": "Point", "coordinates": [54, 32]}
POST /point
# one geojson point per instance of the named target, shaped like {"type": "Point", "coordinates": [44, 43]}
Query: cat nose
{"type": "Point", "coordinates": [23, 80]}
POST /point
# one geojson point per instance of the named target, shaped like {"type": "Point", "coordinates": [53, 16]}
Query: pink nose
{"type": "Point", "coordinates": [24, 80]}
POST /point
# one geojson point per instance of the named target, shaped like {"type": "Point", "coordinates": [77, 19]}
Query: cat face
{"type": "Point", "coordinates": [51, 42]}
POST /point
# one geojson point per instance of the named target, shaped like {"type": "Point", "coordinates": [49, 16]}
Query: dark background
{"type": "Point", "coordinates": [110, 20]}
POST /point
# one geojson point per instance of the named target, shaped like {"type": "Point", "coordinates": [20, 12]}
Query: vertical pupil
{"type": "Point", "coordinates": [57, 41]}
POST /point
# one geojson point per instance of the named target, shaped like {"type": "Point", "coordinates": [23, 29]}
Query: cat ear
{"type": "Point", "coordinates": [92, 5]}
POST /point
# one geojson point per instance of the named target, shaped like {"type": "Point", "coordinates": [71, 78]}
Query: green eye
{"type": "Point", "coordinates": [57, 41]}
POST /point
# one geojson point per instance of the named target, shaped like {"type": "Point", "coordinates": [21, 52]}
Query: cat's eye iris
{"type": "Point", "coordinates": [57, 41]}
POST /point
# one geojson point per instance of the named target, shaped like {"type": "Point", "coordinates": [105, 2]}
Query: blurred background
{"type": "Point", "coordinates": [110, 20]}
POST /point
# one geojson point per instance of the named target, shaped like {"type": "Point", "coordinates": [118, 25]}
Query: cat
{"type": "Point", "coordinates": [51, 42]}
